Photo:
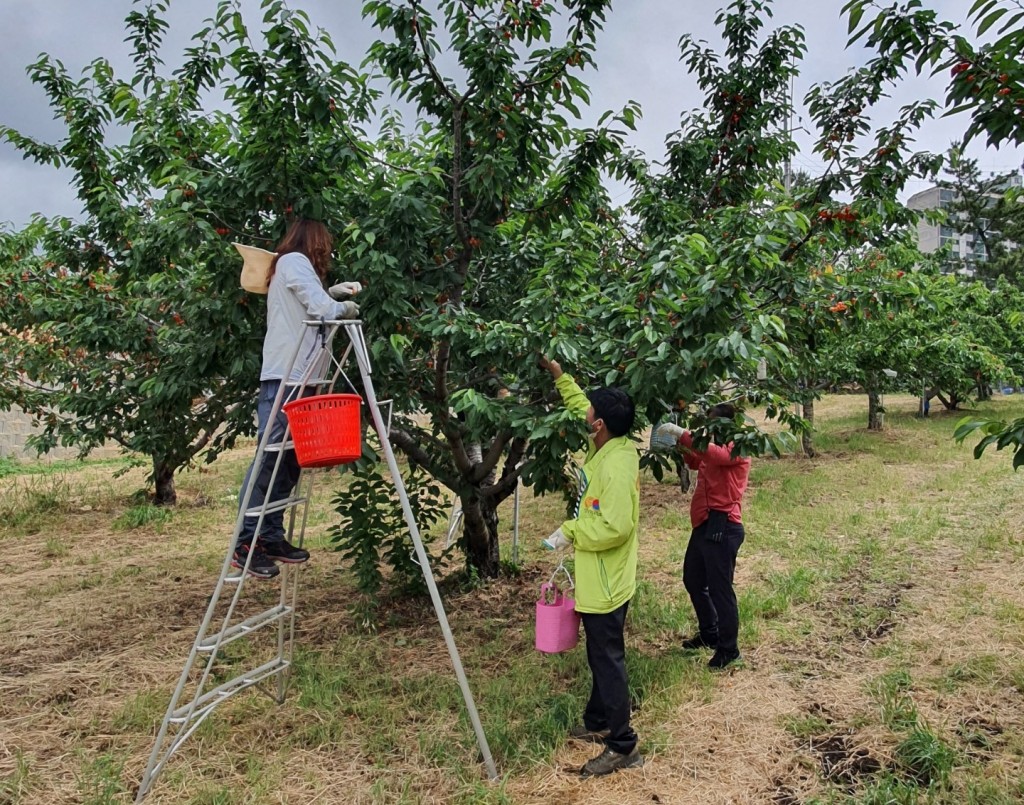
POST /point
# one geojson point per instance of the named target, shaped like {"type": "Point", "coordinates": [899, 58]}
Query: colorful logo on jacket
{"type": "Point", "coordinates": [593, 504]}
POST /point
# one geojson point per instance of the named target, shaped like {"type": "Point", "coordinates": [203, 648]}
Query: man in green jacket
{"type": "Point", "coordinates": [603, 533]}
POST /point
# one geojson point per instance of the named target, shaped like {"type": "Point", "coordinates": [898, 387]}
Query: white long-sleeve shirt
{"type": "Point", "coordinates": [296, 295]}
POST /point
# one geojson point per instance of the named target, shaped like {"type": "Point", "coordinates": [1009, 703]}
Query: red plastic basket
{"type": "Point", "coordinates": [326, 429]}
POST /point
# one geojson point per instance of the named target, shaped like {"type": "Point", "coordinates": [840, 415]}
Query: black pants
{"type": "Point", "coordinates": [708, 570]}
{"type": "Point", "coordinates": [608, 707]}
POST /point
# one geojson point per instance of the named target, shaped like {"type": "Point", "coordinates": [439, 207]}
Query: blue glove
{"type": "Point", "coordinates": [666, 437]}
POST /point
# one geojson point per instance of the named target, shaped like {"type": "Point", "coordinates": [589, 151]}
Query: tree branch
{"type": "Point", "coordinates": [505, 487]}
{"type": "Point", "coordinates": [431, 69]}
{"type": "Point", "coordinates": [409, 445]}
{"type": "Point", "coordinates": [491, 457]}
{"type": "Point", "coordinates": [457, 211]}
{"type": "Point", "coordinates": [515, 454]}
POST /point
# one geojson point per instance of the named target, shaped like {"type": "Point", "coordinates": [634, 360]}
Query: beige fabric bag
{"type": "Point", "coordinates": [255, 265]}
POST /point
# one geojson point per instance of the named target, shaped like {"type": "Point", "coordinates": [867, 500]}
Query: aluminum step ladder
{"type": "Point", "coordinates": [200, 690]}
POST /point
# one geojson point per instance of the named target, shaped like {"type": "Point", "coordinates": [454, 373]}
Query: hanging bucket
{"type": "Point", "coordinates": [558, 622]}
{"type": "Point", "coordinates": [326, 429]}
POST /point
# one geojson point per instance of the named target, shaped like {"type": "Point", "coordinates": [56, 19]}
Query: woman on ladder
{"type": "Point", "coordinates": [295, 295]}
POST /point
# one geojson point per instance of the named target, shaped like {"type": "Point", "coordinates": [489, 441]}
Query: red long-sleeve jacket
{"type": "Point", "coordinates": [721, 480]}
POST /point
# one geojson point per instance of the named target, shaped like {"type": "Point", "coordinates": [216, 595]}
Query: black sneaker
{"type": "Point", "coordinates": [283, 551]}
{"type": "Point", "coordinates": [699, 641]}
{"type": "Point", "coordinates": [610, 760]}
{"type": "Point", "coordinates": [722, 658]}
{"type": "Point", "coordinates": [261, 566]}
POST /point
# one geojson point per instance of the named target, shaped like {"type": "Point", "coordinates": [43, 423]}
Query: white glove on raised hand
{"type": "Point", "coordinates": [345, 289]}
{"type": "Point", "coordinates": [556, 541]}
{"type": "Point", "coordinates": [666, 437]}
{"type": "Point", "coordinates": [349, 310]}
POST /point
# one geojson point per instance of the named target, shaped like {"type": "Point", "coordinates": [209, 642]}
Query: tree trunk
{"type": "Point", "coordinates": [807, 439]}
{"type": "Point", "coordinates": [163, 479]}
{"type": "Point", "coordinates": [480, 530]}
{"type": "Point", "coordinates": [875, 413]}
{"type": "Point", "coordinates": [949, 405]}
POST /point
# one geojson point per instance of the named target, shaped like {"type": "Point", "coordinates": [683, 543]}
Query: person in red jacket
{"type": "Point", "coordinates": [716, 516]}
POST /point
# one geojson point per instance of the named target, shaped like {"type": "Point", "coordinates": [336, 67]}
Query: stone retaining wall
{"type": "Point", "coordinates": [16, 427]}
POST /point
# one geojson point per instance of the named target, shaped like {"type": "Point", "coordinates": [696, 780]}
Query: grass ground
{"type": "Point", "coordinates": [882, 603]}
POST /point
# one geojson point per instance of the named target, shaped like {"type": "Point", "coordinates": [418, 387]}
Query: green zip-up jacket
{"type": "Point", "coordinates": [604, 529]}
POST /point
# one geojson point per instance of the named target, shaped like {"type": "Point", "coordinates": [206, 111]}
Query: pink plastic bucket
{"type": "Point", "coordinates": [558, 623]}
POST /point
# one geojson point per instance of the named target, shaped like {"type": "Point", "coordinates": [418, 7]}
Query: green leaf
{"type": "Point", "coordinates": [990, 20]}
{"type": "Point", "coordinates": [856, 13]}
{"type": "Point", "coordinates": [980, 7]}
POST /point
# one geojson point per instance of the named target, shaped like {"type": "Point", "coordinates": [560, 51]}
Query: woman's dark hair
{"type": "Point", "coordinates": [722, 411]}
{"type": "Point", "coordinates": [616, 409]}
{"type": "Point", "coordinates": [307, 237]}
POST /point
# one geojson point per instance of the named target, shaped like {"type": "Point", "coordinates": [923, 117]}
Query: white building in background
{"type": "Point", "coordinates": [931, 236]}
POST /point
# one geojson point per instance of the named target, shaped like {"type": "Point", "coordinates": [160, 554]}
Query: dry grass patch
{"type": "Point", "coordinates": [881, 593]}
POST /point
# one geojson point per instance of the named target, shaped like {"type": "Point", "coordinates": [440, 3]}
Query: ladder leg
{"type": "Point", "coordinates": [355, 333]}
{"type": "Point", "coordinates": [290, 590]}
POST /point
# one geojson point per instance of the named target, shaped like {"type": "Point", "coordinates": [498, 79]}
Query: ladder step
{"type": "Point", "coordinates": [201, 706]}
{"type": "Point", "coordinates": [278, 447]}
{"type": "Point", "coordinates": [276, 506]}
{"type": "Point", "coordinates": [243, 628]}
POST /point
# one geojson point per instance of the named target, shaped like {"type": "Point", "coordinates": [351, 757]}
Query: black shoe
{"type": "Point", "coordinates": [283, 551]}
{"type": "Point", "coordinates": [610, 760]}
{"type": "Point", "coordinates": [261, 566]}
{"type": "Point", "coordinates": [699, 641]}
{"type": "Point", "coordinates": [722, 658]}
{"type": "Point", "coordinates": [581, 733]}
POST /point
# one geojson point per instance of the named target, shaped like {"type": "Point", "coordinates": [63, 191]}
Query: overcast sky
{"type": "Point", "coordinates": [637, 58]}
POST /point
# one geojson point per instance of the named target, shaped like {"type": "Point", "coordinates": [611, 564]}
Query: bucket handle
{"type": "Point", "coordinates": [551, 595]}
{"type": "Point", "coordinates": [561, 569]}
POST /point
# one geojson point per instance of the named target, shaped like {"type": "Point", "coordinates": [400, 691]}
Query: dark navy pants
{"type": "Point", "coordinates": [272, 529]}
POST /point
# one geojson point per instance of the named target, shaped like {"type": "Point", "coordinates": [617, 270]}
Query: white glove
{"type": "Point", "coordinates": [344, 289]}
{"type": "Point", "coordinates": [349, 310]}
{"type": "Point", "coordinates": [666, 437]}
{"type": "Point", "coordinates": [556, 541]}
